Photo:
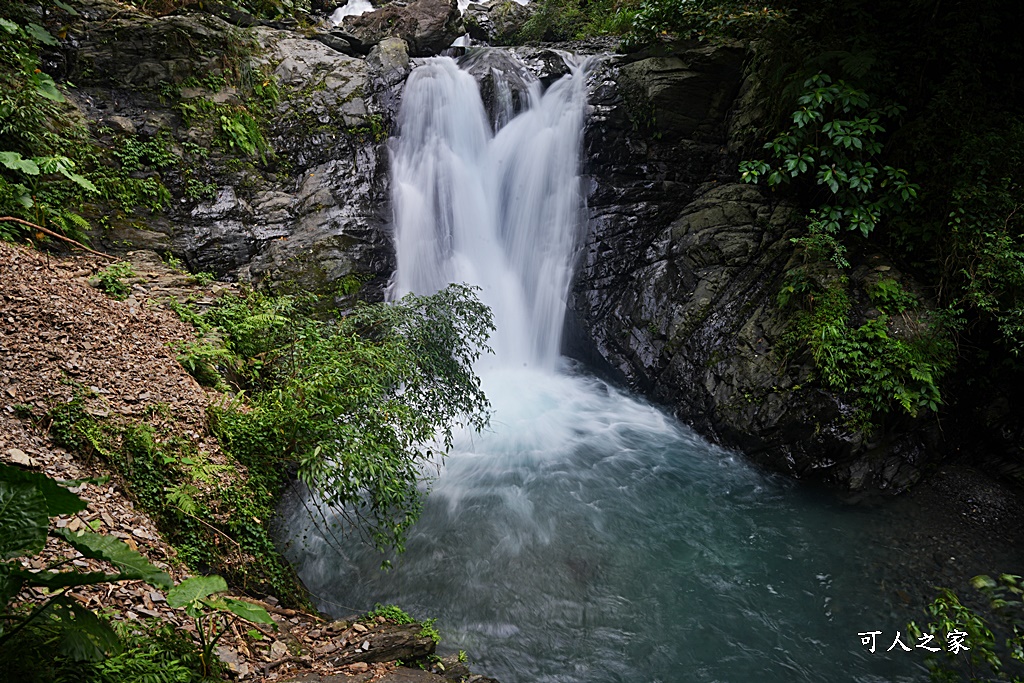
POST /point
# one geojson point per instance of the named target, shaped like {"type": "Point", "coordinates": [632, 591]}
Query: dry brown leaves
{"type": "Point", "coordinates": [58, 335]}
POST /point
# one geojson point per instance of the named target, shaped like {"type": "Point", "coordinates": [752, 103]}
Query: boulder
{"type": "Point", "coordinates": [389, 60]}
{"type": "Point", "coordinates": [427, 26]}
{"type": "Point", "coordinates": [496, 22]}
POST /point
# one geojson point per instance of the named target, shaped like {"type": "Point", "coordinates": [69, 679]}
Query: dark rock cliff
{"type": "Point", "coordinates": [675, 291]}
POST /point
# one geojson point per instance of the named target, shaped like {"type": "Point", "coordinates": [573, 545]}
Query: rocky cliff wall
{"type": "Point", "coordinates": [308, 211]}
{"type": "Point", "coordinates": [676, 289]}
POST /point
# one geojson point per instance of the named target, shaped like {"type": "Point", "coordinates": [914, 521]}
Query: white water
{"type": "Point", "coordinates": [586, 537]}
{"type": "Point", "coordinates": [353, 8]}
{"type": "Point", "coordinates": [502, 211]}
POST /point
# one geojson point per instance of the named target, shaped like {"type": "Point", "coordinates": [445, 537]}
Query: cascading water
{"type": "Point", "coordinates": [586, 536]}
{"type": "Point", "coordinates": [500, 211]}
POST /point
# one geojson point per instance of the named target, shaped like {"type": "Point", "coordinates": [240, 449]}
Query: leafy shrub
{"type": "Point", "coordinates": [27, 501]}
{"type": "Point", "coordinates": [392, 613]}
{"type": "Point", "coordinates": [198, 597]}
{"type": "Point", "coordinates": [987, 659]}
{"type": "Point", "coordinates": [834, 139]}
{"type": "Point", "coordinates": [359, 403]}
{"type": "Point", "coordinates": [111, 280]}
{"type": "Point", "coordinates": [153, 652]}
{"type": "Point", "coordinates": [554, 20]}
{"type": "Point", "coordinates": [201, 360]}
{"type": "Point", "coordinates": [701, 19]}
{"type": "Point", "coordinates": [879, 369]}
{"type": "Point", "coordinates": [985, 229]}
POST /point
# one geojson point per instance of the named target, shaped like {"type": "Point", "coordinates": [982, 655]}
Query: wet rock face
{"type": "Point", "coordinates": [496, 22]}
{"type": "Point", "coordinates": [675, 291]}
{"type": "Point", "coordinates": [427, 26]}
{"type": "Point", "coordinates": [309, 215]}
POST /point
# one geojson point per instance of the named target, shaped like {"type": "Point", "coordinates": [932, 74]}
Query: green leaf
{"type": "Point", "coordinates": [84, 636]}
{"type": "Point", "coordinates": [46, 87]}
{"type": "Point", "coordinates": [23, 519]}
{"type": "Point", "coordinates": [66, 7]}
{"type": "Point", "coordinates": [24, 196]}
{"type": "Point", "coordinates": [13, 161]}
{"type": "Point", "coordinates": [59, 501]}
{"type": "Point", "coordinates": [40, 34]}
{"type": "Point", "coordinates": [10, 582]}
{"type": "Point", "coordinates": [8, 26]}
{"type": "Point", "coordinates": [58, 580]}
{"type": "Point", "coordinates": [195, 589]}
{"type": "Point", "coordinates": [82, 181]}
{"type": "Point", "coordinates": [132, 564]}
{"type": "Point", "coordinates": [248, 611]}
{"type": "Point", "coordinates": [981, 582]}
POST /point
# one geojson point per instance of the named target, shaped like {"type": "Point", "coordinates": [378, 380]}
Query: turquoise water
{"type": "Point", "coordinates": [589, 537]}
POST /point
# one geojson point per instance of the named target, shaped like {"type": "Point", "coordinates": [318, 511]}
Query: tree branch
{"type": "Point", "coordinates": [51, 233]}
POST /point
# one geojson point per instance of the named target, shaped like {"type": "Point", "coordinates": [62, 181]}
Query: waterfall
{"type": "Point", "coordinates": [586, 536]}
{"type": "Point", "coordinates": [501, 210]}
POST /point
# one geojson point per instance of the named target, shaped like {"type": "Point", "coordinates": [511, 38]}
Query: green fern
{"type": "Point", "coordinates": [182, 496]}
{"type": "Point", "coordinates": [71, 224]}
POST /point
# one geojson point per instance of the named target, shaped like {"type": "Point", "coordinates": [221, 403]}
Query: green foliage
{"type": "Point", "coordinates": [392, 613]}
{"type": "Point", "coordinates": [834, 139]}
{"type": "Point", "coordinates": [554, 20]}
{"type": "Point", "coordinates": [203, 278]}
{"type": "Point", "coordinates": [237, 128]}
{"type": "Point", "coordinates": [260, 9]}
{"type": "Point", "coordinates": [397, 615]}
{"type": "Point", "coordinates": [821, 242]}
{"type": "Point", "coordinates": [961, 137]}
{"type": "Point", "coordinates": [72, 427]}
{"type": "Point", "coordinates": [27, 501]}
{"type": "Point", "coordinates": [52, 170]}
{"type": "Point", "coordinates": [877, 367]}
{"type": "Point", "coordinates": [1006, 599]}
{"type": "Point", "coordinates": [241, 131]}
{"type": "Point", "coordinates": [359, 403]}
{"type": "Point", "coordinates": [890, 297]}
{"type": "Point", "coordinates": [701, 19]}
{"type": "Point", "coordinates": [213, 516]}
{"type": "Point", "coordinates": [985, 226]}
{"type": "Point", "coordinates": [111, 280]}
{"type": "Point", "coordinates": [987, 659]}
{"type": "Point", "coordinates": [149, 652]}
{"type": "Point", "coordinates": [429, 630]}
{"type": "Point", "coordinates": [153, 653]}
{"type": "Point", "coordinates": [374, 129]}
{"type": "Point", "coordinates": [197, 597]}
{"type": "Point", "coordinates": [201, 360]}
